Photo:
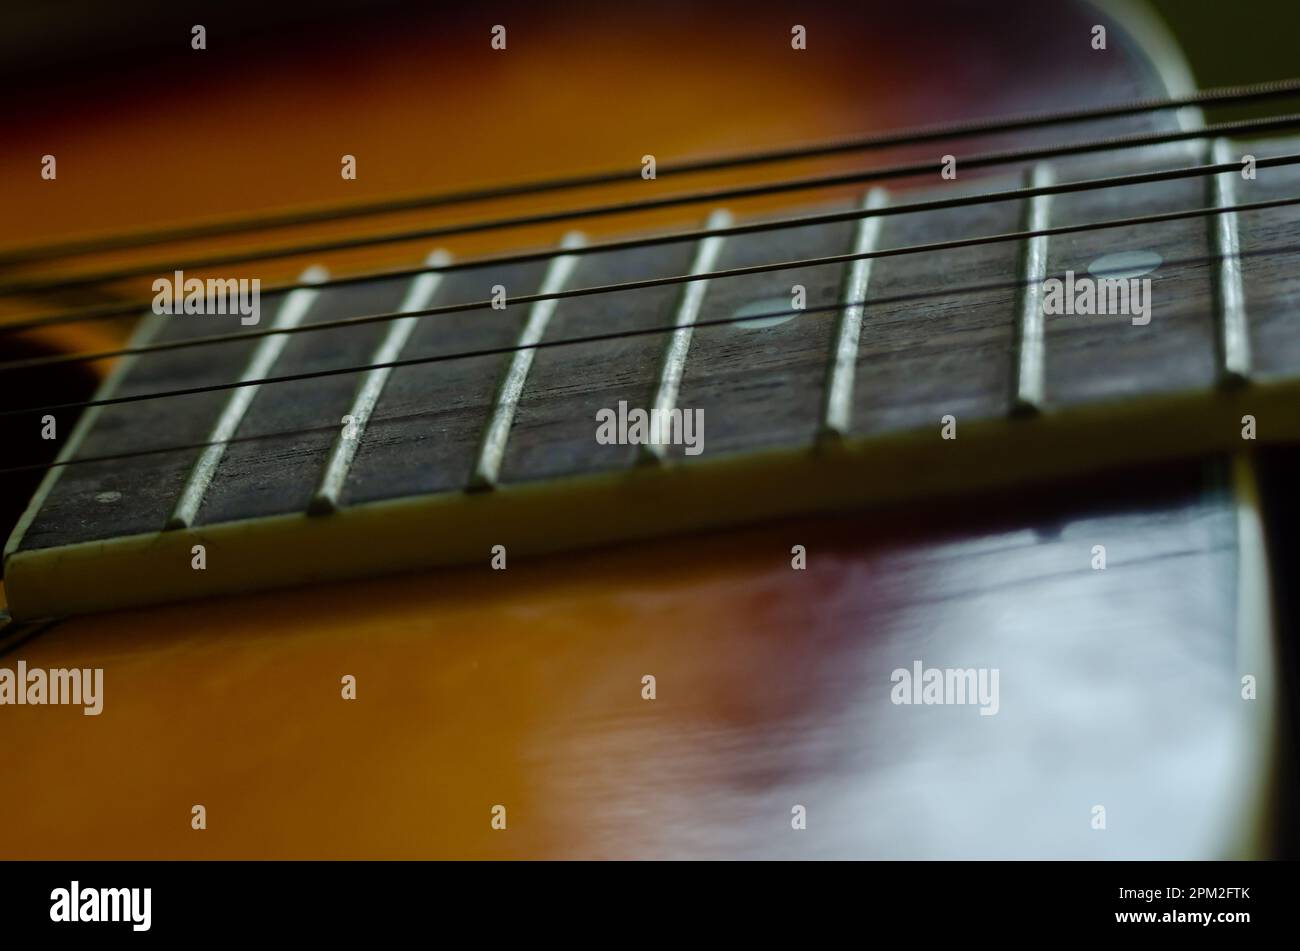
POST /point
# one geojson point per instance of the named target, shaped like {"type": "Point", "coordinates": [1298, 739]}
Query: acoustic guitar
{"type": "Point", "coordinates": [684, 431]}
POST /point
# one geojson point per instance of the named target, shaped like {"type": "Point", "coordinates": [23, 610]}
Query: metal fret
{"type": "Point", "coordinates": [1028, 390]}
{"type": "Point", "coordinates": [290, 314]}
{"type": "Point", "coordinates": [1230, 297]}
{"type": "Point", "coordinates": [492, 450]}
{"type": "Point", "coordinates": [344, 450]}
{"type": "Point", "coordinates": [679, 341]}
{"type": "Point", "coordinates": [838, 409]}
{"type": "Point", "coordinates": [146, 331]}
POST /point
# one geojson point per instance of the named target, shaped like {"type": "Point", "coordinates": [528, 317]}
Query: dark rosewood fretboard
{"type": "Point", "coordinates": [457, 451]}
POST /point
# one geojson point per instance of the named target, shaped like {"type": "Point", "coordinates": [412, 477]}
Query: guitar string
{"type": "Point", "coordinates": [825, 308]}
{"type": "Point", "coordinates": [713, 196]}
{"type": "Point", "coordinates": [1215, 96]}
{"type": "Point", "coordinates": [776, 224]}
{"type": "Point", "coordinates": [854, 214]}
{"type": "Point", "coordinates": [658, 282]}
{"type": "Point", "coordinates": [379, 421]}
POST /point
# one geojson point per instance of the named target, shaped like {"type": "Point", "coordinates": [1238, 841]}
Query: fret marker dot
{"type": "Point", "coordinates": [106, 498]}
{"type": "Point", "coordinates": [1125, 265]}
{"type": "Point", "coordinates": [775, 310]}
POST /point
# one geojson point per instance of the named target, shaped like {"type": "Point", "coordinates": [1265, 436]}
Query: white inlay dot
{"type": "Point", "coordinates": [1125, 265]}
{"type": "Point", "coordinates": [106, 498]}
{"type": "Point", "coordinates": [773, 311]}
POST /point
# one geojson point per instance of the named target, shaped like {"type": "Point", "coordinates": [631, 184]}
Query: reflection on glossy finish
{"type": "Point", "coordinates": [1117, 688]}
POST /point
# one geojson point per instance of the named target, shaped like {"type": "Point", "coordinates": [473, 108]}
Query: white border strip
{"type": "Point", "coordinates": [1028, 394]}
{"type": "Point", "coordinates": [837, 412]}
{"type": "Point", "coordinates": [143, 334]}
{"type": "Point", "coordinates": [1230, 292]}
{"type": "Point", "coordinates": [418, 295]}
{"type": "Point", "coordinates": [679, 341]}
{"type": "Point", "coordinates": [492, 450]}
{"type": "Point", "coordinates": [289, 314]}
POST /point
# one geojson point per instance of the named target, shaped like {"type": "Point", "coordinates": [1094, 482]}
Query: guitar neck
{"type": "Point", "coordinates": [892, 369]}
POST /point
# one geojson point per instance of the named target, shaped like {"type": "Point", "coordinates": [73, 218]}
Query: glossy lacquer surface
{"type": "Point", "coordinates": [524, 688]}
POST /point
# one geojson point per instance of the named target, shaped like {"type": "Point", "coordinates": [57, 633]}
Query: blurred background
{"type": "Point", "coordinates": [1244, 42]}
{"type": "Point", "coordinates": [1239, 42]}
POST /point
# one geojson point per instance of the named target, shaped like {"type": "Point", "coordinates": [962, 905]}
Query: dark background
{"type": "Point", "coordinates": [1227, 41]}
{"type": "Point", "coordinates": [1235, 41]}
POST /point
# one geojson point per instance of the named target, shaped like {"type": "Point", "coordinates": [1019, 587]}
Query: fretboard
{"type": "Point", "coordinates": [860, 381]}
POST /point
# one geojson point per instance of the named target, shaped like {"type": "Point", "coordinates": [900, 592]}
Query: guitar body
{"type": "Point", "coordinates": [527, 688]}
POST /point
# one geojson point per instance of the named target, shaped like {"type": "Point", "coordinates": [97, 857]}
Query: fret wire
{"type": "Point", "coordinates": [659, 282]}
{"type": "Point", "coordinates": [912, 170]}
{"type": "Point", "coordinates": [406, 417]}
{"type": "Point", "coordinates": [292, 311]}
{"type": "Point", "coordinates": [679, 340]}
{"type": "Point", "coordinates": [838, 409]}
{"type": "Point", "coordinates": [496, 434]}
{"type": "Point", "coordinates": [330, 489]}
{"type": "Point", "coordinates": [1230, 295]}
{"type": "Point", "coordinates": [797, 221]}
{"type": "Point", "coordinates": [1028, 392]}
{"type": "Point", "coordinates": [1222, 95]}
{"type": "Point", "coordinates": [143, 332]}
